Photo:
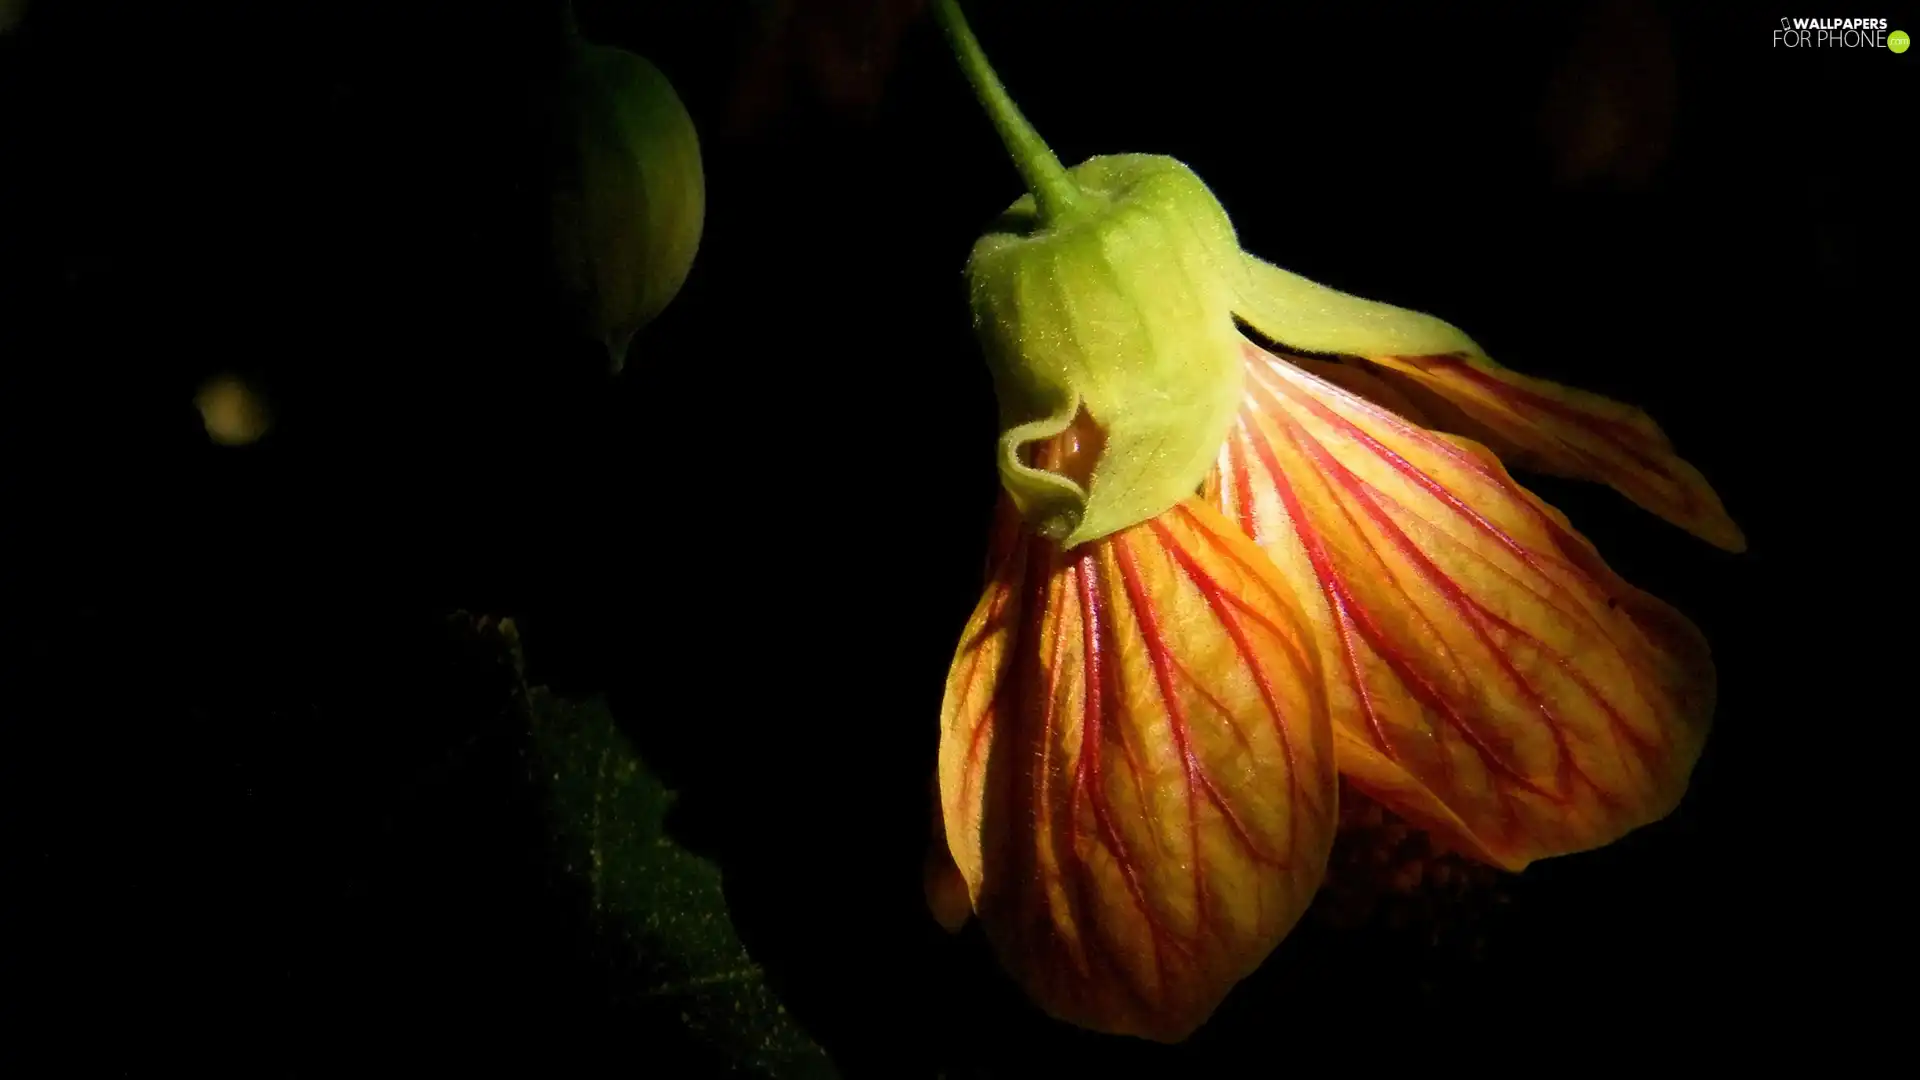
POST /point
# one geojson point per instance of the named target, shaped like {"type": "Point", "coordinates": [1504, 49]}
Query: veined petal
{"type": "Point", "coordinates": [1530, 422]}
{"type": "Point", "coordinates": [1490, 678]}
{"type": "Point", "coordinates": [1559, 430]}
{"type": "Point", "coordinates": [1136, 769]}
{"type": "Point", "coordinates": [1360, 379]}
{"type": "Point", "coordinates": [940, 880]}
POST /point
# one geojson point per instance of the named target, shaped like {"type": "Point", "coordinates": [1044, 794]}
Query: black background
{"type": "Point", "coordinates": [259, 813]}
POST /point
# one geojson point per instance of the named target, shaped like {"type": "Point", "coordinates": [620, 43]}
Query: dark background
{"type": "Point", "coordinates": [260, 812]}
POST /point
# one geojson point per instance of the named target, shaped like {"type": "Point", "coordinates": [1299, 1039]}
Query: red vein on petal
{"type": "Point", "coordinates": [1062, 583]}
{"type": "Point", "coordinates": [1421, 479]}
{"type": "Point", "coordinates": [1272, 366]}
{"type": "Point", "coordinates": [1125, 737]}
{"type": "Point", "coordinates": [1586, 567]}
{"type": "Point", "coordinates": [1093, 633]}
{"type": "Point", "coordinates": [1575, 551]}
{"type": "Point", "coordinates": [1091, 676]}
{"type": "Point", "coordinates": [1269, 366]}
{"type": "Point", "coordinates": [1044, 581]}
{"type": "Point", "coordinates": [1570, 546]}
{"type": "Point", "coordinates": [1219, 801]}
{"type": "Point", "coordinates": [1242, 482]}
{"type": "Point", "coordinates": [1200, 687]}
{"type": "Point", "coordinates": [1470, 609]}
{"type": "Point", "coordinates": [1357, 616]}
{"type": "Point", "coordinates": [976, 738]}
{"type": "Point", "coordinates": [1666, 483]}
{"type": "Point", "coordinates": [1157, 653]}
{"type": "Point", "coordinates": [1244, 607]}
{"type": "Point", "coordinates": [1630, 438]}
{"type": "Point", "coordinates": [1577, 559]}
{"type": "Point", "coordinates": [1589, 578]}
{"type": "Point", "coordinates": [1641, 656]}
{"type": "Point", "coordinates": [1616, 721]}
{"type": "Point", "coordinates": [1331, 586]}
{"type": "Point", "coordinates": [1624, 731]}
{"type": "Point", "coordinates": [1354, 617]}
{"type": "Point", "coordinates": [1217, 600]}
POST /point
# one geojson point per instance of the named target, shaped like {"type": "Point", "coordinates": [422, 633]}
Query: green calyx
{"type": "Point", "coordinates": [630, 206]}
{"type": "Point", "coordinates": [1104, 301]}
{"type": "Point", "coordinates": [1309, 317]}
{"type": "Point", "coordinates": [1125, 314]}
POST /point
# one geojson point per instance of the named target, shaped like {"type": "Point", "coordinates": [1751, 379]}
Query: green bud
{"type": "Point", "coordinates": [1121, 307]}
{"type": "Point", "coordinates": [632, 200]}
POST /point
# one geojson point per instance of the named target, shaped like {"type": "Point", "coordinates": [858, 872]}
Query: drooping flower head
{"type": "Point", "coordinates": [1224, 575]}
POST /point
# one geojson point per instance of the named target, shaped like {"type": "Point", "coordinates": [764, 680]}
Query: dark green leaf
{"type": "Point", "coordinates": [658, 906]}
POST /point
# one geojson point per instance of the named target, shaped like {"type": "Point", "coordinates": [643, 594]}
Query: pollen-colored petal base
{"type": "Point", "coordinates": [1490, 678]}
{"type": "Point", "coordinates": [1555, 429]}
{"type": "Point", "coordinates": [1136, 769]}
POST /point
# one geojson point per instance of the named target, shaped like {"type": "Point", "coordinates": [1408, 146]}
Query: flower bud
{"type": "Point", "coordinates": [632, 197]}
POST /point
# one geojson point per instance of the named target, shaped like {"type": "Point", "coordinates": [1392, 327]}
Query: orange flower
{"type": "Point", "coordinates": [1136, 767]}
{"type": "Point", "coordinates": [1223, 578]}
{"type": "Point", "coordinates": [1139, 734]}
{"type": "Point", "coordinates": [1490, 678]}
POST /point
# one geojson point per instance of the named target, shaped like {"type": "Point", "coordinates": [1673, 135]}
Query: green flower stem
{"type": "Point", "coordinates": [1057, 196]}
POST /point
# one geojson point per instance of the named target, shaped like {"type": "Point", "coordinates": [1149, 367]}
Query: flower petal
{"type": "Point", "coordinates": [1490, 678]}
{"type": "Point", "coordinates": [946, 890]}
{"type": "Point", "coordinates": [1556, 429]}
{"type": "Point", "coordinates": [1136, 769]}
{"type": "Point", "coordinates": [1531, 422]}
{"type": "Point", "coordinates": [1357, 377]}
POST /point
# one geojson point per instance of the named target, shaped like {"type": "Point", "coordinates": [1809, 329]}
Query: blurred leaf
{"type": "Point", "coordinates": [658, 906]}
